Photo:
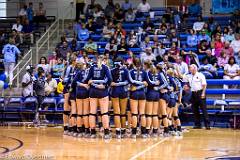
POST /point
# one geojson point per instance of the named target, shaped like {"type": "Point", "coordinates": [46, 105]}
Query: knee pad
{"type": "Point", "coordinates": [142, 115]}
{"type": "Point", "coordinates": [175, 118]}
{"type": "Point", "coordinates": [91, 114]}
{"type": "Point", "coordinates": [105, 114]}
{"type": "Point", "coordinates": [117, 115]}
{"type": "Point", "coordinates": [79, 115]}
{"type": "Point", "coordinates": [164, 116]}
{"type": "Point", "coordinates": [123, 116]}
{"type": "Point", "coordinates": [155, 115]}
{"type": "Point", "coordinates": [148, 115]}
{"type": "Point", "coordinates": [67, 113]}
{"type": "Point", "coordinates": [134, 115]}
{"type": "Point", "coordinates": [74, 115]}
{"type": "Point", "coordinates": [160, 118]}
{"type": "Point", "coordinates": [85, 115]}
{"type": "Point", "coordinates": [170, 119]}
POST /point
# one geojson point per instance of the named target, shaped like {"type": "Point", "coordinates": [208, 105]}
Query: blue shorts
{"type": "Point", "coordinates": [165, 96]}
{"type": "Point", "coordinates": [138, 95]}
{"type": "Point", "coordinates": [82, 93]}
{"type": "Point", "coordinates": [72, 95]}
{"type": "Point", "coordinates": [153, 95]}
{"type": "Point", "coordinates": [98, 93]}
{"type": "Point", "coordinates": [65, 89]}
{"type": "Point", "coordinates": [119, 92]}
{"type": "Point", "coordinates": [172, 102]}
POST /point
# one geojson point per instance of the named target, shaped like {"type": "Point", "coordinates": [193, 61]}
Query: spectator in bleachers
{"type": "Point", "coordinates": [227, 49]}
{"type": "Point", "coordinates": [132, 40]}
{"type": "Point", "coordinates": [108, 61]}
{"type": "Point", "coordinates": [207, 29]}
{"type": "Point", "coordinates": [217, 30]}
{"type": "Point", "coordinates": [217, 45]}
{"type": "Point", "coordinates": [23, 12]}
{"type": "Point", "coordinates": [110, 9]}
{"type": "Point", "coordinates": [16, 37]}
{"type": "Point", "coordinates": [143, 7]}
{"type": "Point", "coordinates": [235, 44]}
{"type": "Point", "coordinates": [204, 36]}
{"type": "Point", "coordinates": [58, 68]}
{"type": "Point", "coordinates": [162, 30]}
{"type": "Point", "coordinates": [126, 5]}
{"type": "Point", "coordinates": [192, 39]}
{"type": "Point", "coordinates": [108, 31]}
{"type": "Point", "coordinates": [90, 9]}
{"type": "Point", "coordinates": [40, 14]}
{"type": "Point", "coordinates": [195, 9]}
{"type": "Point", "coordinates": [181, 66]}
{"type": "Point", "coordinates": [27, 32]}
{"type": "Point", "coordinates": [122, 48]}
{"type": "Point", "coordinates": [50, 86]}
{"type": "Point", "coordinates": [183, 9]}
{"type": "Point", "coordinates": [147, 55]}
{"type": "Point", "coordinates": [148, 26]}
{"type": "Point", "coordinates": [222, 60]}
{"type": "Point", "coordinates": [173, 52]}
{"type": "Point", "coordinates": [27, 82]}
{"type": "Point", "coordinates": [167, 16]}
{"type": "Point", "coordinates": [158, 50]}
{"type": "Point", "coordinates": [77, 26]}
{"type": "Point", "coordinates": [64, 51]}
{"type": "Point", "coordinates": [90, 47]}
{"type": "Point", "coordinates": [91, 26]}
{"type": "Point", "coordinates": [43, 63]}
{"type": "Point", "coordinates": [52, 59]}
{"type": "Point", "coordinates": [130, 15]}
{"type": "Point", "coordinates": [211, 58]}
{"type": "Point", "coordinates": [207, 69]}
{"type": "Point", "coordinates": [10, 52]}
{"type": "Point", "coordinates": [30, 12]}
{"type": "Point", "coordinates": [80, 4]}
{"type": "Point", "coordinates": [97, 12]}
{"type": "Point", "coordinates": [17, 26]}
{"type": "Point", "coordinates": [119, 33]}
{"type": "Point", "coordinates": [231, 70]}
{"type": "Point", "coordinates": [73, 45]}
{"type": "Point", "coordinates": [198, 25]}
{"type": "Point", "coordinates": [203, 47]}
{"type": "Point", "coordinates": [173, 37]}
{"type": "Point", "coordinates": [146, 43]}
{"type": "Point", "coordinates": [228, 34]}
{"type": "Point", "coordinates": [111, 47]}
{"type": "Point", "coordinates": [83, 34]}
{"type": "Point", "coordinates": [118, 14]}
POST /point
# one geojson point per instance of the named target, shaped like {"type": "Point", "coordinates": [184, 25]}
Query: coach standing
{"type": "Point", "coordinates": [198, 85]}
{"type": "Point", "coordinates": [80, 4]}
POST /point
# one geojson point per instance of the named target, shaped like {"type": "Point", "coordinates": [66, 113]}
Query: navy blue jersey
{"type": "Point", "coordinates": [120, 78]}
{"type": "Point", "coordinates": [136, 78]}
{"type": "Point", "coordinates": [69, 75]}
{"type": "Point", "coordinates": [177, 86]}
{"type": "Point", "coordinates": [79, 78]}
{"type": "Point", "coordinates": [164, 83]}
{"type": "Point", "coordinates": [152, 80]}
{"type": "Point", "coordinates": [99, 75]}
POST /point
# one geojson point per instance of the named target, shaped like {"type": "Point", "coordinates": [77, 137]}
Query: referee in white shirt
{"type": "Point", "coordinates": [198, 85]}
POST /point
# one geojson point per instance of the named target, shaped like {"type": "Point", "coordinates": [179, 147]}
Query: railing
{"type": "Point", "coordinates": [53, 29]}
{"type": "Point", "coordinates": [22, 64]}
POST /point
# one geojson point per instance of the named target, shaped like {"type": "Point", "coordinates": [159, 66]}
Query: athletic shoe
{"type": "Point", "coordinates": [180, 133]}
{"type": "Point", "coordinates": [80, 135]}
{"type": "Point", "coordinates": [107, 136]}
{"type": "Point", "coordinates": [65, 132]}
{"type": "Point", "coordinates": [166, 134]}
{"type": "Point", "coordinates": [93, 136]}
{"type": "Point", "coordinates": [154, 135]}
{"type": "Point", "coordinates": [133, 136]}
{"type": "Point", "coordinates": [144, 136]}
{"type": "Point", "coordinates": [118, 136]}
{"type": "Point", "coordinates": [70, 133]}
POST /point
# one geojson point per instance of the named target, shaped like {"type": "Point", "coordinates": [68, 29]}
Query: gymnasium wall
{"type": "Point", "coordinates": [58, 7]}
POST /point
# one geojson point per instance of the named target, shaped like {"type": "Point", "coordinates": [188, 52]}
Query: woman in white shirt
{"type": "Point", "coordinates": [43, 63]}
{"type": "Point", "coordinates": [231, 70]}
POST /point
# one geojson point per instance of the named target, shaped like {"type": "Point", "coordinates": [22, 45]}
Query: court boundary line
{"type": "Point", "coordinates": [147, 149]}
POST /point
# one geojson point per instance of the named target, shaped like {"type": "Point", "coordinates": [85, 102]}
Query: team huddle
{"type": "Point", "coordinates": [154, 92]}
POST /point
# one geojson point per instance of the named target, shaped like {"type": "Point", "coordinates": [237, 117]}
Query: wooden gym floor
{"type": "Point", "coordinates": [49, 143]}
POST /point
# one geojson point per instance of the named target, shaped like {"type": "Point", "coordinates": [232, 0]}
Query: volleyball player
{"type": "Point", "coordinates": [137, 78]}
{"type": "Point", "coordinates": [164, 99]}
{"type": "Point", "coordinates": [99, 78]}
{"type": "Point", "coordinates": [152, 97]}
{"type": "Point", "coordinates": [69, 114]}
{"type": "Point", "coordinates": [82, 98]}
{"type": "Point", "coordinates": [119, 94]}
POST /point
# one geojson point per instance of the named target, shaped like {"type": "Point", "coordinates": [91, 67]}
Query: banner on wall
{"type": "Point", "coordinates": [225, 6]}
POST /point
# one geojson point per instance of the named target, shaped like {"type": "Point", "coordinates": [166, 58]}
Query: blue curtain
{"type": "Point", "coordinates": [225, 6]}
